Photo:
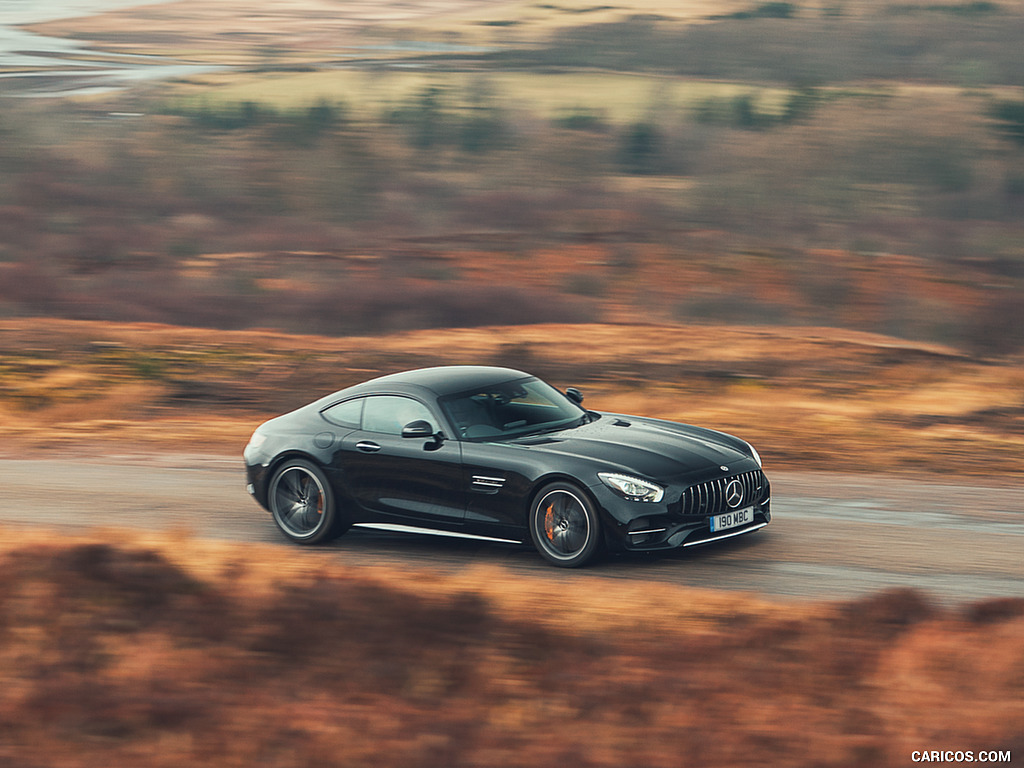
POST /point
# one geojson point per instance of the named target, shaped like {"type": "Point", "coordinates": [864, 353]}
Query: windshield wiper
{"type": "Point", "coordinates": [586, 418]}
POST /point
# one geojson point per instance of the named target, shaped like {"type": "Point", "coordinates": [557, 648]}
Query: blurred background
{"type": "Point", "coordinates": [800, 222]}
{"type": "Point", "coordinates": [361, 167]}
{"type": "Point", "coordinates": [368, 168]}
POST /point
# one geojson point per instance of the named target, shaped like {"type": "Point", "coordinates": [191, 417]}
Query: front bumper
{"type": "Point", "coordinates": [638, 527]}
{"type": "Point", "coordinates": [256, 482]}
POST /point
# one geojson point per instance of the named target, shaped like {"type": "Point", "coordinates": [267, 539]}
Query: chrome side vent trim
{"type": "Point", "coordinates": [489, 484]}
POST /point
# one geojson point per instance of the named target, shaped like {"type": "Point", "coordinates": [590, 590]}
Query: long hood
{"type": "Point", "coordinates": [659, 450]}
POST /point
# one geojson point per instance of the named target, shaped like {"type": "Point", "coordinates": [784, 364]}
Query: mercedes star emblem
{"type": "Point", "coordinates": [734, 494]}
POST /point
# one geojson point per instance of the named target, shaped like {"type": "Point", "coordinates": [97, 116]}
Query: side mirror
{"type": "Point", "coordinates": [418, 429]}
{"type": "Point", "coordinates": [424, 430]}
{"type": "Point", "coordinates": [575, 395]}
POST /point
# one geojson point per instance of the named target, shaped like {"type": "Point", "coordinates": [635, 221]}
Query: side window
{"type": "Point", "coordinates": [388, 414]}
{"type": "Point", "coordinates": [346, 414]}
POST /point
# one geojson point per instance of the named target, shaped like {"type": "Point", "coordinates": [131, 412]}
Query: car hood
{"type": "Point", "coordinates": [659, 450]}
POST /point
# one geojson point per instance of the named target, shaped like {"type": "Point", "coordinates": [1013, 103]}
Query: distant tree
{"type": "Point", "coordinates": [481, 130]}
{"type": "Point", "coordinates": [1011, 115]}
{"type": "Point", "coordinates": [775, 10]}
{"type": "Point", "coordinates": [582, 120]}
{"type": "Point", "coordinates": [801, 104]}
{"type": "Point", "coordinates": [482, 126]}
{"type": "Point", "coordinates": [772, 10]}
{"type": "Point", "coordinates": [322, 115]}
{"type": "Point", "coordinates": [640, 148]}
{"type": "Point", "coordinates": [424, 117]}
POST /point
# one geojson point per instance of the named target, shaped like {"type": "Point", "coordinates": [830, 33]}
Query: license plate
{"type": "Point", "coordinates": [732, 519]}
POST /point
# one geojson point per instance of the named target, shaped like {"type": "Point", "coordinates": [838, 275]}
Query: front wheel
{"type": "Point", "coordinates": [302, 503]}
{"type": "Point", "coordinates": [564, 526]}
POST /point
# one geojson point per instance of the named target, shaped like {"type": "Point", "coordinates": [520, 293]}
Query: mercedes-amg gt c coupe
{"type": "Point", "coordinates": [495, 453]}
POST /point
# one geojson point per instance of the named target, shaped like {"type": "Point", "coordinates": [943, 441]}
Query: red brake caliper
{"type": "Point", "coordinates": [549, 521]}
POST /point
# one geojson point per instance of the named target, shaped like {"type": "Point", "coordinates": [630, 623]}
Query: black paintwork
{"type": "Point", "coordinates": [429, 482]}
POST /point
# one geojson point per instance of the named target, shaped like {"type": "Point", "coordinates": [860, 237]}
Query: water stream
{"type": "Point", "coordinates": [39, 65]}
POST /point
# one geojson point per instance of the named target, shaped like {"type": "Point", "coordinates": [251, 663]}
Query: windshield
{"type": "Point", "coordinates": [511, 409]}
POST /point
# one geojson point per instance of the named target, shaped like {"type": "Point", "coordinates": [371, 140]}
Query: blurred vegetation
{"type": "Point", "coordinates": [858, 166]}
{"type": "Point", "coordinates": [887, 404]}
{"type": "Point", "coordinates": [194, 653]}
{"type": "Point", "coordinates": [1011, 115]}
{"type": "Point", "coordinates": [781, 43]}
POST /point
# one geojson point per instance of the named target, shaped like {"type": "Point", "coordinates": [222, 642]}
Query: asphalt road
{"type": "Point", "coordinates": [832, 535]}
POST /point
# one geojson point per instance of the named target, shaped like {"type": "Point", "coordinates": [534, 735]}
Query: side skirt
{"type": "Point", "coordinates": [395, 528]}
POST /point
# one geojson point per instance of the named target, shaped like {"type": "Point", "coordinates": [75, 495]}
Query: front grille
{"type": "Point", "coordinates": [710, 498]}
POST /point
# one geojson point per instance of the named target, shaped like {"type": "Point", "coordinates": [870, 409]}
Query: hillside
{"type": "Point", "coordinates": [434, 164]}
{"type": "Point", "coordinates": [812, 398]}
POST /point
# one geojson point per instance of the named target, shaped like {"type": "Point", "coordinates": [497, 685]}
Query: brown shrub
{"type": "Point", "coordinates": [995, 610]}
{"type": "Point", "coordinates": [887, 613]}
{"type": "Point", "coordinates": [102, 663]}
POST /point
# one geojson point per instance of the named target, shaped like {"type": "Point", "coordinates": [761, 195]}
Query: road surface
{"type": "Point", "coordinates": [832, 536]}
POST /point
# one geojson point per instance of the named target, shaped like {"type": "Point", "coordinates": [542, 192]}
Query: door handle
{"type": "Point", "coordinates": [367, 446]}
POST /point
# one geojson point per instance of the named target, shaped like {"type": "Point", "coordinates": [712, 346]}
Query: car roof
{"type": "Point", "coordinates": [439, 381]}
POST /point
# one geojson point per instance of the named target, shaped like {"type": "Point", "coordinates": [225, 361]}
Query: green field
{"type": "Point", "coordinates": [615, 98]}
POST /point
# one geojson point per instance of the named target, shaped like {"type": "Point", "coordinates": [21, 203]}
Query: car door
{"type": "Point", "coordinates": [403, 479]}
{"type": "Point", "coordinates": [498, 478]}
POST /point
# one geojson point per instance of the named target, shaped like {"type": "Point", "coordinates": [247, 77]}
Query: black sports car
{"type": "Point", "coordinates": [498, 454]}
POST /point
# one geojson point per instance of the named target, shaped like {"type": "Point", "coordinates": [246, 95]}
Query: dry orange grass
{"type": "Point", "coordinates": [807, 397]}
{"type": "Point", "coordinates": [177, 652]}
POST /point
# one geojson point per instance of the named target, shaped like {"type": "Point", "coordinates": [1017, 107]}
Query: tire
{"type": "Point", "coordinates": [302, 503]}
{"type": "Point", "coordinates": [564, 526]}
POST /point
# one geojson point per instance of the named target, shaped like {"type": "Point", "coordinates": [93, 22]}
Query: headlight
{"type": "Point", "coordinates": [632, 488]}
{"type": "Point", "coordinates": [755, 454]}
{"type": "Point", "coordinates": [257, 439]}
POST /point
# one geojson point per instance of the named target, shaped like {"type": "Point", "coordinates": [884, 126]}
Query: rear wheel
{"type": "Point", "coordinates": [564, 526]}
{"type": "Point", "coordinates": [302, 503]}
